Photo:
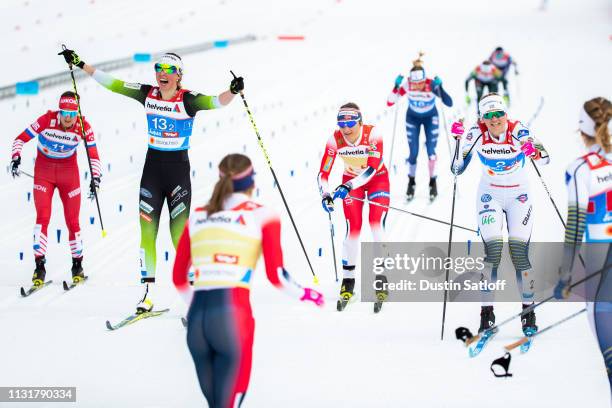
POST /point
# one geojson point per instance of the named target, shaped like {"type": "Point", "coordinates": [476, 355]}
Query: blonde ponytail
{"type": "Point", "coordinates": [600, 110]}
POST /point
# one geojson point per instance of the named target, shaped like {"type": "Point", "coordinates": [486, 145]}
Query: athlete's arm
{"type": "Point", "coordinates": [446, 99]}
{"type": "Point", "coordinates": [90, 143]}
{"type": "Point", "coordinates": [131, 90]}
{"type": "Point", "coordinates": [375, 155]}
{"type": "Point", "coordinates": [396, 93]}
{"type": "Point", "coordinates": [469, 78]}
{"type": "Point", "coordinates": [182, 263]}
{"type": "Point", "coordinates": [195, 102]}
{"type": "Point", "coordinates": [576, 178]}
{"type": "Point", "coordinates": [327, 162]}
{"type": "Point", "coordinates": [471, 141]}
{"type": "Point", "coordinates": [273, 258]}
{"type": "Point", "coordinates": [523, 135]}
{"type": "Point", "coordinates": [31, 132]}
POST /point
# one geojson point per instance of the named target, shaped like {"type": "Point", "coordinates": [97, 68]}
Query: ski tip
{"type": "Point", "coordinates": [109, 326]}
{"type": "Point", "coordinates": [23, 292]}
{"type": "Point", "coordinates": [65, 285]}
{"type": "Point", "coordinates": [184, 321]}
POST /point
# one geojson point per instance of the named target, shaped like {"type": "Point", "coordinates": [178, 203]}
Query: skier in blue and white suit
{"type": "Point", "coordinates": [422, 92]}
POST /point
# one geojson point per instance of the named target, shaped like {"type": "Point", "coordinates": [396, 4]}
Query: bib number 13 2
{"type": "Point", "coordinates": [162, 124]}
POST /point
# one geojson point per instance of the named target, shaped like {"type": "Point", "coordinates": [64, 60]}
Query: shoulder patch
{"type": "Point", "coordinates": [131, 85]}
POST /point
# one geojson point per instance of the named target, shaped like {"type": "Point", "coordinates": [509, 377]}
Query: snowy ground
{"type": "Point", "coordinates": [353, 51]}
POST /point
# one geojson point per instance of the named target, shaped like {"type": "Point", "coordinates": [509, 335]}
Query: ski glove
{"type": "Point", "coordinates": [15, 166]}
{"type": "Point", "coordinates": [311, 295]}
{"type": "Point", "coordinates": [342, 191]}
{"type": "Point", "coordinates": [72, 58]}
{"type": "Point", "coordinates": [237, 85]}
{"type": "Point", "coordinates": [398, 81]}
{"type": "Point", "coordinates": [328, 203]}
{"type": "Point", "coordinates": [94, 185]}
{"type": "Point", "coordinates": [457, 130]}
{"type": "Point", "coordinates": [436, 82]}
{"type": "Point", "coordinates": [529, 150]}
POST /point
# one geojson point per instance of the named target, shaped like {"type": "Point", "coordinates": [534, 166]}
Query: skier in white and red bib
{"type": "Point", "coordinates": [361, 149]}
{"type": "Point", "coordinates": [59, 134]}
{"type": "Point", "coordinates": [503, 146]}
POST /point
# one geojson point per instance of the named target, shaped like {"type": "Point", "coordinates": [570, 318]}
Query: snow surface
{"type": "Point", "coordinates": [353, 51]}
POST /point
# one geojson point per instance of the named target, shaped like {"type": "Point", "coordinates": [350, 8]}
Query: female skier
{"type": "Point", "coordinates": [223, 241]}
{"type": "Point", "coordinates": [589, 209]}
{"type": "Point", "coordinates": [170, 110]}
{"type": "Point", "coordinates": [59, 133]}
{"type": "Point", "coordinates": [361, 149]}
{"type": "Point", "coordinates": [422, 111]}
{"type": "Point", "coordinates": [503, 147]}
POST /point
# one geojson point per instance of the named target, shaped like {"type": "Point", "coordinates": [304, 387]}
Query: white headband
{"type": "Point", "coordinates": [586, 123]}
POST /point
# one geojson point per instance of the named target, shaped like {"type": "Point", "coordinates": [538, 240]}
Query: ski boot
{"type": "Point", "coordinates": [347, 290]}
{"type": "Point", "coordinates": [145, 305]}
{"type": "Point", "coordinates": [39, 273]}
{"type": "Point", "coordinates": [381, 292]}
{"type": "Point", "coordinates": [487, 318]}
{"type": "Point", "coordinates": [433, 189]}
{"type": "Point", "coordinates": [410, 191]}
{"type": "Point", "coordinates": [528, 321]}
{"type": "Point", "coordinates": [77, 270]}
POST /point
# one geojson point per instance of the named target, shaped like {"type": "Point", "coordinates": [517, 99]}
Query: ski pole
{"type": "Point", "coordinates": [265, 153]}
{"type": "Point", "coordinates": [450, 240]}
{"type": "Point", "coordinates": [26, 174]}
{"type": "Point", "coordinates": [536, 305]}
{"type": "Point", "coordinates": [411, 213]}
{"type": "Point", "coordinates": [525, 339]}
{"type": "Point", "coordinates": [537, 170]}
{"type": "Point", "coordinates": [78, 99]}
{"type": "Point", "coordinates": [331, 233]}
{"type": "Point", "coordinates": [393, 137]}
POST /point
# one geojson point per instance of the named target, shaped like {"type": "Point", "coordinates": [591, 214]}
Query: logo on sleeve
{"type": "Point", "coordinates": [522, 198]}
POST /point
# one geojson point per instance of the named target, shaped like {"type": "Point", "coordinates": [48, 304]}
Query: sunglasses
{"type": "Point", "coordinates": [168, 69]}
{"type": "Point", "coordinates": [494, 114]}
{"type": "Point", "coordinates": [69, 114]}
{"type": "Point", "coordinates": [349, 123]}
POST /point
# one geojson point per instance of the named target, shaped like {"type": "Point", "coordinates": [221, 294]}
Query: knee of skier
{"type": "Point", "coordinates": [519, 253]}
{"type": "Point", "coordinates": [493, 251]}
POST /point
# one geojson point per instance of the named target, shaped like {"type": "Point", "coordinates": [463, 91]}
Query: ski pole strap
{"type": "Point", "coordinates": [504, 364]}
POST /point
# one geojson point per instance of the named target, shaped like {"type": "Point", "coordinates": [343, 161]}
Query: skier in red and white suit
{"type": "Point", "coordinates": [361, 149]}
{"type": "Point", "coordinates": [58, 133]}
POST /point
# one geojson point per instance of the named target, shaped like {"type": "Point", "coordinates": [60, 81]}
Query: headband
{"type": "Point", "coordinates": [243, 180]}
{"type": "Point", "coordinates": [68, 103]}
{"type": "Point", "coordinates": [586, 123]}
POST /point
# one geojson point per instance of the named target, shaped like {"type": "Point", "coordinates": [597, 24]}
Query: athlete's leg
{"type": "Point", "coordinates": [178, 195]}
{"type": "Point", "coordinates": [431, 125]}
{"type": "Point", "coordinates": [199, 347]}
{"type": "Point", "coordinates": [378, 192]}
{"type": "Point", "coordinates": [519, 216]}
{"type": "Point", "coordinates": [234, 352]}
{"type": "Point", "coordinates": [69, 187]}
{"type": "Point", "coordinates": [353, 210]}
{"type": "Point", "coordinates": [43, 197]}
{"type": "Point", "coordinates": [602, 316]}
{"type": "Point", "coordinates": [413, 128]}
{"type": "Point", "coordinates": [151, 203]}
{"type": "Point", "coordinates": [490, 223]}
